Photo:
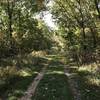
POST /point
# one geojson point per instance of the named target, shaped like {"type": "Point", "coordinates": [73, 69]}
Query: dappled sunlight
{"type": "Point", "coordinates": [53, 86]}
{"type": "Point", "coordinates": [89, 68]}
{"type": "Point", "coordinates": [55, 72]}
{"type": "Point", "coordinates": [27, 72]}
{"type": "Point", "coordinates": [8, 71]}
{"type": "Point", "coordinates": [26, 61]}
{"type": "Point", "coordinates": [51, 69]}
{"type": "Point", "coordinates": [24, 73]}
{"type": "Point", "coordinates": [38, 53]}
{"type": "Point", "coordinates": [91, 74]}
{"type": "Point", "coordinates": [89, 81]}
{"type": "Point", "coordinates": [14, 80]}
{"type": "Point", "coordinates": [94, 80]}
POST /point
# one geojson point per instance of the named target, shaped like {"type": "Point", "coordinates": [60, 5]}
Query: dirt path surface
{"type": "Point", "coordinates": [31, 90]}
{"type": "Point", "coordinates": [73, 83]}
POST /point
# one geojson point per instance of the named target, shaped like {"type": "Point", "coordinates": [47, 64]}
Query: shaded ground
{"type": "Point", "coordinates": [53, 87]}
{"type": "Point", "coordinates": [15, 84]}
{"type": "Point", "coordinates": [55, 84]}
{"type": "Point", "coordinates": [16, 87]}
{"type": "Point", "coordinates": [32, 88]}
{"type": "Point", "coordinates": [86, 81]}
{"type": "Point", "coordinates": [88, 90]}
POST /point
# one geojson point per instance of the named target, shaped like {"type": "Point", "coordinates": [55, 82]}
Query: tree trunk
{"type": "Point", "coordinates": [97, 8]}
{"type": "Point", "coordinates": [94, 37]}
{"type": "Point", "coordinates": [10, 6]}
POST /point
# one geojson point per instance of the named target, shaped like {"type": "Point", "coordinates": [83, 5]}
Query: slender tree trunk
{"type": "Point", "coordinates": [9, 18]}
{"type": "Point", "coordinates": [83, 31]}
{"type": "Point", "coordinates": [97, 8]}
{"type": "Point", "coordinates": [10, 8]}
{"type": "Point", "coordinates": [94, 37]}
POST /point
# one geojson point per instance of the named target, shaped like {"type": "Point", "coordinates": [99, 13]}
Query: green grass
{"type": "Point", "coordinates": [88, 90]}
{"type": "Point", "coordinates": [56, 65]}
{"type": "Point", "coordinates": [17, 82]}
{"type": "Point", "coordinates": [16, 87]}
{"type": "Point", "coordinates": [53, 87]}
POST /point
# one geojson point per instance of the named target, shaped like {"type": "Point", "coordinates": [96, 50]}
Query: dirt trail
{"type": "Point", "coordinates": [31, 90]}
{"type": "Point", "coordinates": [73, 84]}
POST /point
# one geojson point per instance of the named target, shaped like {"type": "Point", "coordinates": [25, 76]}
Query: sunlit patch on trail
{"type": "Point", "coordinates": [55, 72]}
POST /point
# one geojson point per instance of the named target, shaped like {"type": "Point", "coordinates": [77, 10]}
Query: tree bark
{"type": "Point", "coordinates": [97, 8]}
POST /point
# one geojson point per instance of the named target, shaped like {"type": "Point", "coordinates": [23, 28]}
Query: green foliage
{"type": "Point", "coordinates": [17, 73]}
{"type": "Point", "coordinates": [78, 24]}
{"type": "Point", "coordinates": [19, 29]}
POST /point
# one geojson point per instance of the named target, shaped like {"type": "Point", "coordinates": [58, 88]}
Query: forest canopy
{"type": "Point", "coordinates": [19, 29]}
